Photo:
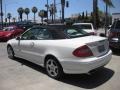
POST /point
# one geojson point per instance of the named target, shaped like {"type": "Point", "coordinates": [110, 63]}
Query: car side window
{"type": "Point", "coordinates": [44, 34]}
{"type": "Point", "coordinates": [30, 35]}
{"type": "Point", "coordinates": [36, 34]}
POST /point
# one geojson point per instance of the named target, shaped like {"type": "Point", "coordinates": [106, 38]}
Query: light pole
{"type": "Point", "coordinates": [95, 5]}
{"type": "Point", "coordinates": [1, 12]}
{"type": "Point", "coordinates": [106, 19]}
{"type": "Point", "coordinates": [54, 10]}
{"type": "Point", "coordinates": [63, 6]}
{"type": "Point", "coordinates": [47, 10]}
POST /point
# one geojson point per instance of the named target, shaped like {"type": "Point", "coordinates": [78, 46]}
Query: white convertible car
{"type": "Point", "coordinates": [61, 49]}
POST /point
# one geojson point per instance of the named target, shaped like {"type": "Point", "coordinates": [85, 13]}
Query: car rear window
{"type": "Point", "coordinates": [67, 33]}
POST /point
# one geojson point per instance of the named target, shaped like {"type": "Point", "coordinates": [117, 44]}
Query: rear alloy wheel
{"type": "Point", "coordinates": [53, 68]}
{"type": "Point", "coordinates": [10, 52]}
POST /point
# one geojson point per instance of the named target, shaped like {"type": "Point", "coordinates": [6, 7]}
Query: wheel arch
{"type": "Point", "coordinates": [9, 45]}
{"type": "Point", "coordinates": [51, 56]}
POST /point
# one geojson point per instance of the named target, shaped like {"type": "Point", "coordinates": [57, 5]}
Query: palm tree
{"type": "Point", "coordinates": [34, 10]}
{"type": "Point", "coordinates": [51, 10]}
{"type": "Point", "coordinates": [14, 19]}
{"type": "Point", "coordinates": [9, 16]}
{"type": "Point", "coordinates": [41, 14]}
{"type": "Point", "coordinates": [20, 12]}
{"type": "Point", "coordinates": [95, 9]}
{"type": "Point", "coordinates": [27, 11]}
{"type": "Point", "coordinates": [110, 4]}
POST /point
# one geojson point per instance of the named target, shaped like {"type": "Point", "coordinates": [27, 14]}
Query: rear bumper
{"type": "Point", "coordinates": [114, 42]}
{"type": "Point", "coordinates": [84, 66]}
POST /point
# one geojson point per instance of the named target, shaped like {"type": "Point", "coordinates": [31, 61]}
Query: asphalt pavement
{"type": "Point", "coordinates": [20, 74]}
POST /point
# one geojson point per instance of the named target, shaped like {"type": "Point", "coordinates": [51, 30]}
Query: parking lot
{"type": "Point", "coordinates": [20, 74]}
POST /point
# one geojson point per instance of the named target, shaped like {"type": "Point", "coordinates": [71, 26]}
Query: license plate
{"type": "Point", "coordinates": [101, 48]}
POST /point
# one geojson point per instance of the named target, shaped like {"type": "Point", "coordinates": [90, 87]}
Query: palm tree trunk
{"type": "Point", "coordinates": [42, 20]}
{"type": "Point", "coordinates": [34, 17]}
{"type": "Point", "coordinates": [27, 17]}
{"type": "Point", "coordinates": [21, 17]}
{"type": "Point", "coordinates": [52, 17]}
{"type": "Point", "coordinates": [63, 6]}
{"type": "Point", "coordinates": [9, 21]}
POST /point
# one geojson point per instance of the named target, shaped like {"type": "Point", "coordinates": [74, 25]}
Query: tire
{"type": "Point", "coordinates": [53, 68]}
{"type": "Point", "coordinates": [10, 52]}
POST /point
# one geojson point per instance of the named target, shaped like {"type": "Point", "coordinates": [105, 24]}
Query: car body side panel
{"type": "Point", "coordinates": [36, 50]}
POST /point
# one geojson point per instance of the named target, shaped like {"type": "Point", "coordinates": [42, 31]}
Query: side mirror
{"type": "Point", "coordinates": [102, 35]}
{"type": "Point", "coordinates": [18, 38]}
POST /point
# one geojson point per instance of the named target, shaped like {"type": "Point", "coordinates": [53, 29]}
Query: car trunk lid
{"type": "Point", "coordinates": [98, 45]}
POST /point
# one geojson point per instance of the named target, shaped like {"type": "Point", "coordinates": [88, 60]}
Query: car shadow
{"type": "Point", "coordinates": [31, 65]}
{"type": "Point", "coordinates": [80, 80]}
{"type": "Point", "coordinates": [89, 81]}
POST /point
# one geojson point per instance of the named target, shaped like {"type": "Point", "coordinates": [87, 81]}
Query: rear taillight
{"type": "Point", "coordinates": [112, 34]}
{"type": "Point", "coordinates": [83, 51]}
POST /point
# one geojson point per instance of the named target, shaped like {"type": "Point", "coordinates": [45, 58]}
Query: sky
{"type": "Point", "coordinates": [75, 6]}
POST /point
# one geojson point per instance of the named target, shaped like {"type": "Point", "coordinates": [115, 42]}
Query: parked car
{"type": "Point", "coordinates": [114, 35]}
{"type": "Point", "coordinates": [25, 25]}
{"type": "Point", "coordinates": [88, 27]}
{"type": "Point", "coordinates": [10, 32]}
{"type": "Point", "coordinates": [61, 49]}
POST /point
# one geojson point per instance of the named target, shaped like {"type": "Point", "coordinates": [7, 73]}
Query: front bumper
{"type": "Point", "coordinates": [4, 39]}
{"type": "Point", "coordinates": [86, 65]}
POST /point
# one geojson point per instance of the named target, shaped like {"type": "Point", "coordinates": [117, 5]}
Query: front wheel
{"type": "Point", "coordinates": [53, 68]}
{"type": "Point", "coordinates": [10, 52]}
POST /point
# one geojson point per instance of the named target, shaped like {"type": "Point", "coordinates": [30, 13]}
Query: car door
{"type": "Point", "coordinates": [26, 44]}
{"type": "Point", "coordinates": [32, 44]}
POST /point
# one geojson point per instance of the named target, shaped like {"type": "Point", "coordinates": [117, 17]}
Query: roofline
{"type": "Point", "coordinates": [82, 23]}
{"type": "Point", "coordinates": [115, 13]}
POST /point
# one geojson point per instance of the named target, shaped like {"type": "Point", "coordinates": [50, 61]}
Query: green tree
{"type": "Point", "coordinates": [86, 16]}
{"type": "Point", "coordinates": [20, 12]}
{"type": "Point", "coordinates": [83, 16]}
{"type": "Point", "coordinates": [79, 17]}
{"type": "Point", "coordinates": [9, 16]}
{"type": "Point", "coordinates": [27, 11]}
{"type": "Point", "coordinates": [34, 10]}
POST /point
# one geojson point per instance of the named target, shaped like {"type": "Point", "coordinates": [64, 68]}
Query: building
{"type": "Point", "coordinates": [115, 16]}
